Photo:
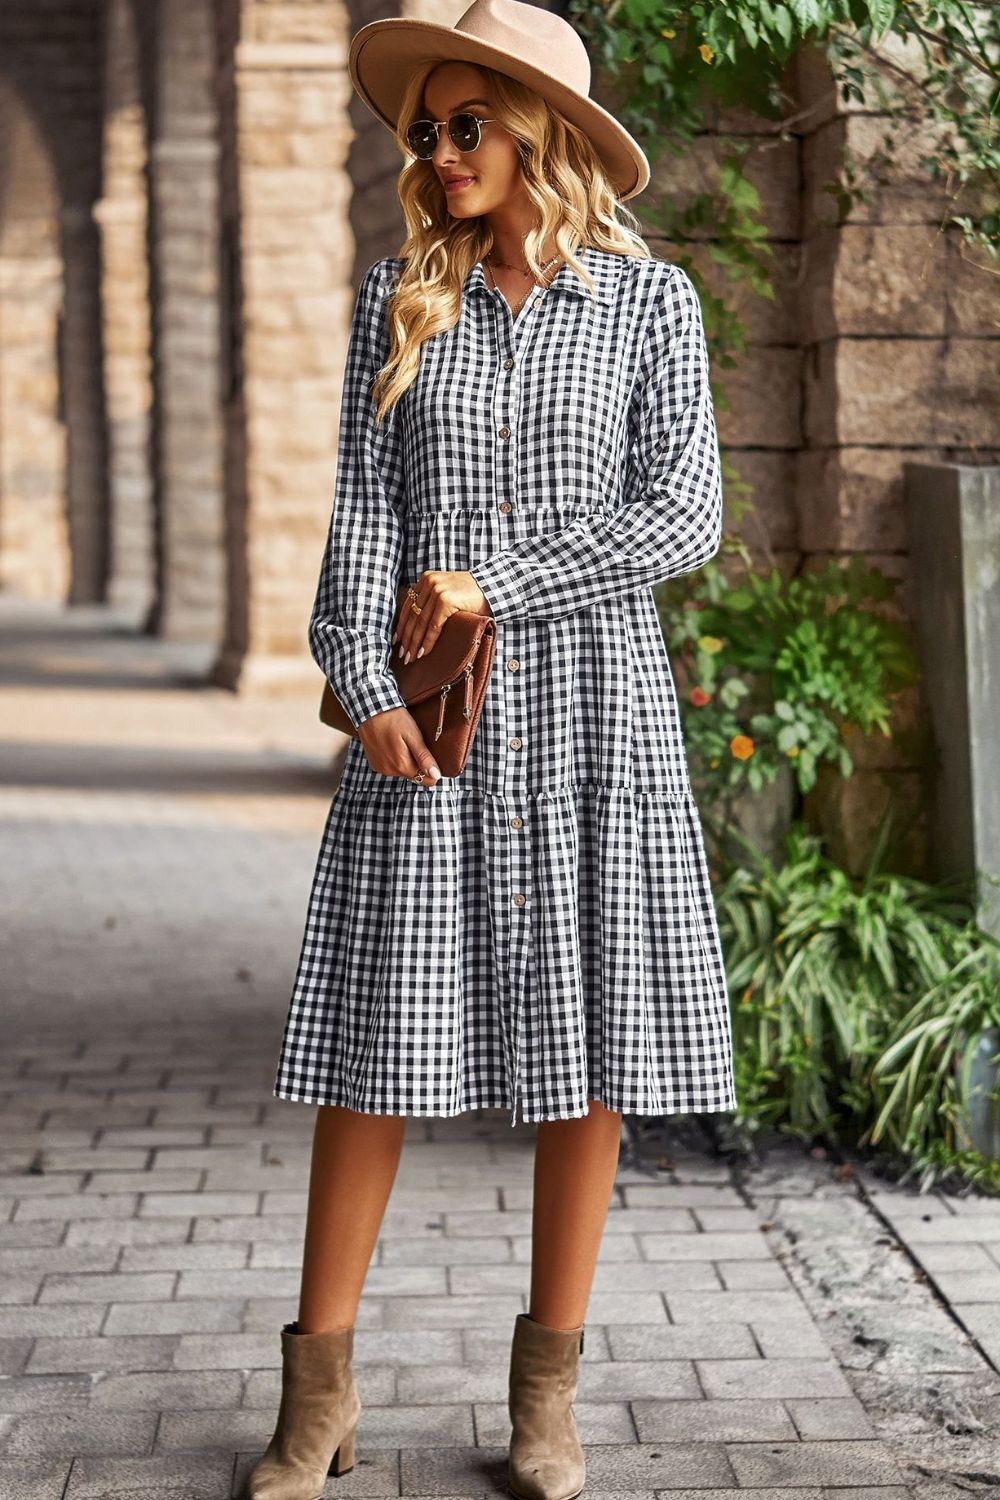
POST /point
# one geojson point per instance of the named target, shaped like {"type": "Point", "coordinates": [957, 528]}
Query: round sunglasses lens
{"type": "Point", "coordinates": [464, 131]}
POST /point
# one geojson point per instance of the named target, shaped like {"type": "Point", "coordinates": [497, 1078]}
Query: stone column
{"type": "Point", "coordinates": [188, 423]}
{"type": "Point", "coordinates": [122, 216]}
{"type": "Point", "coordinates": [34, 540]}
{"type": "Point", "coordinates": [295, 261]}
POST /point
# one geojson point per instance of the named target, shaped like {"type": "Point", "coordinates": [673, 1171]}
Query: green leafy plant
{"type": "Point", "coordinates": [854, 1003]}
{"type": "Point", "coordinates": [776, 672]}
{"type": "Point", "coordinates": [927, 71]}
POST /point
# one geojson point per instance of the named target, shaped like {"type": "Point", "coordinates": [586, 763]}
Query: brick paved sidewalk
{"type": "Point", "coordinates": [160, 841]}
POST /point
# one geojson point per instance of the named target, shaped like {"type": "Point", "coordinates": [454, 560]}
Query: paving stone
{"type": "Point", "coordinates": [175, 1205]}
{"type": "Point", "coordinates": [61, 1206]}
{"type": "Point", "coordinates": [825, 1463]}
{"type": "Point", "coordinates": [184, 1257]}
{"type": "Point", "coordinates": [59, 1258]}
{"type": "Point", "coordinates": [119, 1287]}
{"type": "Point", "coordinates": [55, 1355]}
{"type": "Point", "coordinates": [150, 1181]}
{"type": "Point", "coordinates": [711, 1421]}
{"type": "Point", "coordinates": [738, 1307]}
{"type": "Point", "coordinates": [407, 1427]}
{"type": "Point", "coordinates": [450, 1312]}
{"type": "Point", "coordinates": [248, 1229]}
{"type": "Point", "coordinates": [192, 1316]}
{"type": "Point", "coordinates": [682, 1341]}
{"type": "Point", "coordinates": [69, 1433]}
{"type": "Point", "coordinates": [743, 1245]}
{"type": "Point", "coordinates": [726, 1378]}
{"type": "Point", "coordinates": [13, 1353]}
{"type": "Point", "coordinates": [660, 1276]}
{"type": "Point", "coordinates": [795, 1338]}
{"type": "Point", "coordinates": [689, 1195]}
{"type": "Point", "coordinates": [128, 1232]}
{"type": "Point", "coordinates": [36, 1233]}
{"type": "Point", "coordinates": [830, 1417]}
{"type": "Point", "coordinates": [267, 1283]}
{"type": "Point", "coordinates": [34, 1393]}
{"type": "Point", "coordinates": [243, 1431]}
{"type": "Point", "coordinates": [195, 1476]}
{"type": "Point", "coordinates": [752, 1275]}
{"type": "Point", "coordinates": [64, 1319]}
{"type": "Point", "coordinates": [16, 1290]}
{"type": "Point", "coordinates": [28, 1185]}
{"type": "Point", "coordinates": [33, 1478]}
{"type": "Point", "coordinates": [180, 1390]}
{"type": "Point", "coordinates": [950, 1256]}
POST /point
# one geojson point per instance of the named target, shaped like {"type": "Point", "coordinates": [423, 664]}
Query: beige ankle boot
{"type": "Point", "coordinates": [546, 1459]}
{"type": "Point", "coordinates": [317, 1417]}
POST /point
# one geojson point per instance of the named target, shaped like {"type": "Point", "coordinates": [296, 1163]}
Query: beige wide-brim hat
{"type": "Point", "coordinates": [528, 43]}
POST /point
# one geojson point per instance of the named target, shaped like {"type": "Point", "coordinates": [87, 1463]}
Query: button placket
{"type": "Point", "coordinates": [518, 905]}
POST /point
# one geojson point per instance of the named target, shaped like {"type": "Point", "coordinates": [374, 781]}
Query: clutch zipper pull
{"type": "Point", "coordinates": [467, 710]}
{"type": "Point", "coordinates": [445, 690]}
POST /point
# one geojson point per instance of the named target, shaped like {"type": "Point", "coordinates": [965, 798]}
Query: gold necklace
{"type": "Point", "coordinates": [522, 270]}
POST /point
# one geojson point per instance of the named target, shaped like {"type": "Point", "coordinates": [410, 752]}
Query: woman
{"type": "Point", "coordinates": [527, 431]}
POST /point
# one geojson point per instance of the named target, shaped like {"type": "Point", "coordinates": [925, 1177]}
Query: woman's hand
{"type": "Point", "coordinates": [439, 595]}
{"type": "Point", "coordinates": [394, 745]}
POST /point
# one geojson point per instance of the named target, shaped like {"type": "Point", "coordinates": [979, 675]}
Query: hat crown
{"type": "Point", "coordinates": [529, 32]}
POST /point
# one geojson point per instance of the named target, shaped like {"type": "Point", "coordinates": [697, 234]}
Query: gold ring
{"type": "Point", "coordinates": [419, 778]}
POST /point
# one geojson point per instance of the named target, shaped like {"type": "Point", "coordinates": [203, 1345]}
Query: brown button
{"type": "Point", "coordinates": [508, 364]}
{"type": "Point", "coordinates": [505, 506]}
{"type": "Point", "coordinates": [513, 664]}
{"type": "Point", "coordinates": [515, 743]}
{"type": "Point", "coordinates": [516, 822]}
{"type": "Point", "coordinates": [505, 432]}
{"type": "Point", "coordinates": [520, 900]}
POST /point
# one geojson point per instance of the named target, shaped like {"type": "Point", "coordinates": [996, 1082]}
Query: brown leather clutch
{"type": "Point", "coordinates": [444, 690]}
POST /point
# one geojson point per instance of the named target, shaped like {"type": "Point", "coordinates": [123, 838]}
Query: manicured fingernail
{"type": "Point", "coordinates": [399, 649]}
{"type": "Point", "coordinates": [435, 772]}
{"type": "Point", "coordinates": [406, 658]}
{"type": "Point", "coordinates": [420, 652]}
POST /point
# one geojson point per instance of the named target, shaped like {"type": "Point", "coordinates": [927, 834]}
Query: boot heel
{"type": "Point", "coordinates": [343, 1460]}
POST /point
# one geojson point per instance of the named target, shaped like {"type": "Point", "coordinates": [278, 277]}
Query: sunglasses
{"type": "Point", "coordinates": [464, 129]}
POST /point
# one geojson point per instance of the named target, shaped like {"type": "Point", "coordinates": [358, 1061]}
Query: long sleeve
{"type": "Point", "coordinates": [670, 521]}
{"type": "Point", "coordinates": [351, 622]}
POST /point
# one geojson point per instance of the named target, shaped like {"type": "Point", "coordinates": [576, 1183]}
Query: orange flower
{"type": "Point", "coordinates": [742, 746]}
{"type": "Point", "coordinates": [706, 52]}
{"type": "Point", "coordinates": [699, 697]}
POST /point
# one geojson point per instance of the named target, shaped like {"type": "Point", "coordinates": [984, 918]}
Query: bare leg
{"type": "Point", "coordinates": [575, 1166]}
{"type": "Point", "coordinates": [354, 1162]}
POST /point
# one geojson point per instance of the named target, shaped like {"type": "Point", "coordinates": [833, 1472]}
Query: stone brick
{"type": "Point", "coordinates": [206, 1316]}
{"type": "Point", "coordinates": [903, 393]}
{"type": "Point", "coordinates": [712, 1421]}
{"type": "Point", "coordinates": [822, 1463]}
{"type": "Point", "coordinates": [33, 1478]}
{"type": "Point", "coordinates": [867, 280]}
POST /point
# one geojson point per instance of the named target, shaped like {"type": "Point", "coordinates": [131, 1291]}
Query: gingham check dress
{"type": "Point", "coordinates": [540, 930]}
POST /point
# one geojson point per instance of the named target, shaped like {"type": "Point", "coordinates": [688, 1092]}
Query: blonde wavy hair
{"type": "Point", "coordinates": [564, 179]}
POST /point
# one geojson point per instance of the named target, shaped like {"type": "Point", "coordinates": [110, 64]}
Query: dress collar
{"type": "Point", "coordinates": [603, 265]}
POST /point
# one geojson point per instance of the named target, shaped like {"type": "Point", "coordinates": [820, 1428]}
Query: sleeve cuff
{"type": "Point", "coordinates": [362, 700]}
{"type": "Point", "coordinates": [497, 576]}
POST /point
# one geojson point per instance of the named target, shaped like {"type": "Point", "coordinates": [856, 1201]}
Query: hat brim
{"type": "Point", "coordinates": [384, 54]}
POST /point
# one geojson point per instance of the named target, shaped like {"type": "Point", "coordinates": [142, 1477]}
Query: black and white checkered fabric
{"type": "Point", "coordinates": [539, 931]}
